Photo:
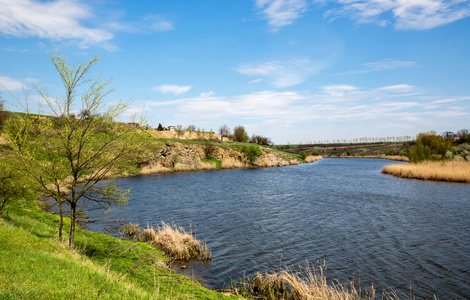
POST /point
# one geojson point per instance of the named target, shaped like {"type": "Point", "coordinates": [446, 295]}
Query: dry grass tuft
{"type": "Point", "coordinates": [294, 162]}
{"type": "Point", "coordinates": [312, 158]}
{"type": "Point", "coordinates": [263, 163]}
{"type": "Point", "coordinates": [453, 170]}
{"type": "Point", "coordinates": [397, 157]}
{"type": "Point", "coordinates": [176, 242]}
{"type": "Point", "coordinates": [206, 166]}
{"type": "Point", "coordinates": [304, 283]}
{"type": "Point", "coordinates": [229, 164]}
{"type": "Point", "coordinates": [182, 167]}
{"type": "Point", "coordinates": [153, 169]}
{"type": "Point", "coordinates": [132, 231]}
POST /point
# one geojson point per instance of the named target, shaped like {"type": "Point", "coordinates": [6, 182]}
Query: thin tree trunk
{"type": "Point", "coordinates": [72, 226]}
{"type": "Point", "coordinates": [61, 224]}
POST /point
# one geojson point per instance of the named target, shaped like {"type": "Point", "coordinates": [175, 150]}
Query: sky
{"type": "Point", "coordinates": [292, 70]}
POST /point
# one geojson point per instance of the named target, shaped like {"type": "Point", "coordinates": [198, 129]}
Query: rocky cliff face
{"type": "Point", "coordinates": [180, 156]}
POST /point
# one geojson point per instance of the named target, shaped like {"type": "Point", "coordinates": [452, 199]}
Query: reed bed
{"type": "Point", "coordinates": [176, 242]}
{"type": "Point", "coordinates": [312, 158]}
{"type": "Point", "coordinates": [206, 166]}
{"type": "Point", "coordinates": [183, 168]}
{"type": "Point", "coordinates": [453, 170]}
{"type": "Point", "coordinates": [306, 284]}
{"type": "Point", "coordinates": [153, 169]}
{"type": "Point", "coordinates": [229, 164]}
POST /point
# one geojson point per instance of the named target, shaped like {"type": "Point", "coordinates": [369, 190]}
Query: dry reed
{"type": "Point", "coordinates": [153, 169]}
{"type": "Point", "coordinates": [229, 164]}
{"type": "Point", "coordinates": [304, 283]}
{"type": "Point", "coordinates": [454, 171]}
{"type": "Point", "coordinates": [182, 167]}
{"type": "Point", "coordinates": [176, 242]}
{"type": "Point", "coordinates": [294, 162]}
{"type": "Point", "coordinates": [312, 158]}
{"type": "Point", "coordinates": [206, 166]}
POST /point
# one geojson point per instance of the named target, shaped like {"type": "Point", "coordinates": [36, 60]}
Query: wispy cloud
{"type": "Point", "coordinates": [282, 74]}
{"type": "Point", "coordinates": [383, 65]}
{"type": "Point", "coordinates": [280, 13]}
{"type": "Point", "coordinates": [407, 15]}
{"type": "Point", "coordinates": [55, 20]}
{"type": "Point", "coordinates": [10, 84]}
{"type": "Point", "coordinates": [172, 89]}
{"type": "Point", "coordinates": [394, 108]}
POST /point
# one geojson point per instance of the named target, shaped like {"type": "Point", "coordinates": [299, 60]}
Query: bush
{"type": "Point", "coordinates": [260, 140]}
{"type": "Point", "coordinates": [303, 155]}
{"type": "Point", "coordinates": [160, 127]}
{"type": "Point", "coordinates": [429, 146]}
{"type": "Point", "coordinates": [390, 152]}
{"type": "Point", "coordinates": [240, 134]}
{"type": "Point", "coordinates": [251, 153]}
{"type": "Point", "coordinates": [315, 153]}
{"type": "Point", "coordinates": [209, 150]}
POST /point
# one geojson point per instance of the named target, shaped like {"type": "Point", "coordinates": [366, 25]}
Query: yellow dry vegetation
{"type": "Point", "coordinates": [453, 170]}
{"type": "Point", "coordinates": [312, 158]}
{"type": "Point", "coordinates": [176, 242]}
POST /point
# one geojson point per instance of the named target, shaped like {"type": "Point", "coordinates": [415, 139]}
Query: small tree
{"type": "Point", "coordinates": [240, 134]}
{"type": "Point", "coordinates": [179, 131]}
{"type": "Point", "coordinates": [224, 131]}
{"type": "Point", "coordinates": [190, 130]}
{"type": "Point", "coordinates": [68, 157]}
{"type": "Point", "coordinates": [160, 127]}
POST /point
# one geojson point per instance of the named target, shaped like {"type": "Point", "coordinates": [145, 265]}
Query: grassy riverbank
{"type": "Point", "coordinates": [452, 171]}
{"type": "Point", "coordinates": [34, 264]}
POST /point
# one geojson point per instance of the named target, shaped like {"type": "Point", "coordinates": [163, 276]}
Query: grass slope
{"type": "Point", "coordinates": [35, 265]}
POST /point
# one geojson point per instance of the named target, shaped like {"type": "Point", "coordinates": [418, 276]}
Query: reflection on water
{"type": "Point", "coordinates": [392, 232]}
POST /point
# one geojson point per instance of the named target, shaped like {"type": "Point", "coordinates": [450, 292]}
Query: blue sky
{"type": "Point", "coordinates": [292, 70]}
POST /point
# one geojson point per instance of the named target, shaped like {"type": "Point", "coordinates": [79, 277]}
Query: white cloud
{"type": "Point", "coordinates": [281, 13]}
{"type": "Point", "coordinates": [11, 84]}
{"type": "Point", "coordinates": [282, 74]}
{"type": "Point", "coordinates": [407, 14]}
{"type": "Point", "coordinates": [383, 65]}
{"type": "Point", "coordinates": [207, 94]}
{"type": "Point", "coordinates": [55, 20]}
{"type": "Point", "coordinates": [172, 89]}
{"type": "Point", "coordinates": [157, 23]}
{"type": "Point", "coordinates": [289, 115]}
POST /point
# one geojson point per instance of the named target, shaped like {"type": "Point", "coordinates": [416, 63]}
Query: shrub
{"type": "Point", "coordinates": [209, 150]}
{"type": "Point", "coordinates": [429, 146]}
{"type": "Point", "coordinates": [315, 153]}
{"type": "Point", "coordinates": [303, 155]}
{"type": "Point", "coordinates": [160, 127]}
{"type": "Point", "coordinates": [348, 153]}
{"type": "Point", "coordinates": [239, 134]}
{"type": "Point", "coordinates": [390, 152]}
{"type": "Point", "coordinates": [260, 140]}
{"type": "Point", "coordinates": [251, 153]}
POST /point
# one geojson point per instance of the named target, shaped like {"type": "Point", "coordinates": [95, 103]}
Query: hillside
{"type": "Point", "coordinates": [379, 149]}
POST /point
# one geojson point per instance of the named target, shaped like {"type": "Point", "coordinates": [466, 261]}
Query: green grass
{"type": "Point", "coordinates": [35, 265]}
{"type": "Point", "coordinates": [215, 161]}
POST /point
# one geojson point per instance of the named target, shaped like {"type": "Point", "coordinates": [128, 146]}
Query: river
{"type": "Point", "coordinates": [395, 233]}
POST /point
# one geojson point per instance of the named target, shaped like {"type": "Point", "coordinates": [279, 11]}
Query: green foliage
{"type": "Point", "coordinates": [67, 156]}
{"type": "Point", "coordinates": [461, 152]}
{"type": "Point", "coordinates": [240, 134]}
{"type": "Point", "coordinates": [303, 155]}
{"type": "Point", "coordinates": [390, 152]}
{"type": "Point", "coordinates": [40, 267]}
{"type": "Point", "coordinates": [315, 153]}
{"type": "Point", "coordinates": [160, 127]}
{"type": "Point", "coordinates": [213, 160]}
{"type": "Point", "coordinates": [348, 153]}
{"type": "Point", "coordinates": [251, 152]}
{"type": "Point", "coordinates": [429, 146]}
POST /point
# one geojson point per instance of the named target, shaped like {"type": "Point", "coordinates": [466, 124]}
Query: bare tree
{"type": "Point", "coordinates": [224, 131]}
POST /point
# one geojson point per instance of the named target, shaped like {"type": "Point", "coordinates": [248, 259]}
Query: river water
{"type": "Point", "coordinates": [395, 233]}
